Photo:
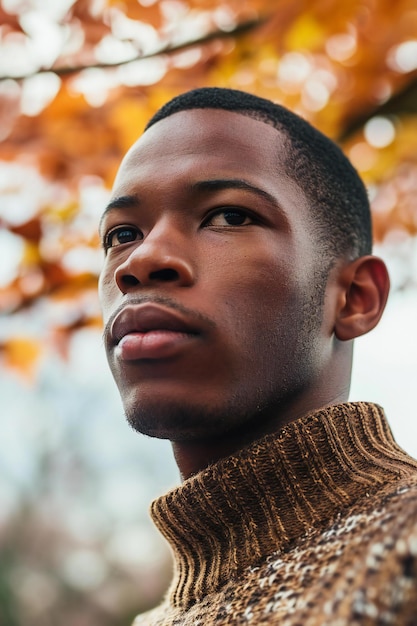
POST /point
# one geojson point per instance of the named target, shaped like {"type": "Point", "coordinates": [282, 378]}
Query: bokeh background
{"type": "Point", "coordinates": [78, 81]}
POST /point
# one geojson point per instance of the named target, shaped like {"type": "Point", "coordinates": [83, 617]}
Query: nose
{"type": "Point", "coordinates": [160, 258]}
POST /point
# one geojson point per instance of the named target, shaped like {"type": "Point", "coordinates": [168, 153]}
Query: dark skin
{"type": "Point", "coordinates": [218, 329]}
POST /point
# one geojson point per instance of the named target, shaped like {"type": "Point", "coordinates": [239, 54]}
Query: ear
{"type": "Point", "coordinates": [364, 287]}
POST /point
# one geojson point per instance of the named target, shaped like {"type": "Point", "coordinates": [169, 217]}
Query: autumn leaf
{"type": "Point", "coordinates": [22, 355]}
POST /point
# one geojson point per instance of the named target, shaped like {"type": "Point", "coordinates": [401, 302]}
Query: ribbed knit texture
{"type": "Point", "coordinates": [297, 529]}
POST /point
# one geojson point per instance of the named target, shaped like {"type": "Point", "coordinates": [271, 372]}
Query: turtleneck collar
{"type": "Point", "coordinates": [260, 500]}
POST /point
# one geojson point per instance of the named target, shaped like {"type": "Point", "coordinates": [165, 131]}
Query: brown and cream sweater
{"type": "Point", "coordinates": [313, 526]}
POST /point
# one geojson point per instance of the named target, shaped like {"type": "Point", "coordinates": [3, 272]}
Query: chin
{"type": "Point", "coordinates": [176, 423]}
{"type": "Point", "coordinates": [185, 421]}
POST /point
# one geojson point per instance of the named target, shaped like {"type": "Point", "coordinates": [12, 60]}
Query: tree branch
{"type": "Point", "coordinates": [402, 102]}
{"type": "Point", "coordinates": [240, 29]}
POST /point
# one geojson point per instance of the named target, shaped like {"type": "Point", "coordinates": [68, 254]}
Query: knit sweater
{"type": "Point", "coordinates": [313, 526]}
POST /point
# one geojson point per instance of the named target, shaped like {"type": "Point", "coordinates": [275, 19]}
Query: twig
{"type": "Point", "coordinates": [403, 101]}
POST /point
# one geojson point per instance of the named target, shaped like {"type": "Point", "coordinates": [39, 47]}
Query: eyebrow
{"type": "Point", "coordinates": [122, 202]}
{"type": "Point", "coordinates": [218, 184]}
{"type": "Point", "coordinates": [211, 185]}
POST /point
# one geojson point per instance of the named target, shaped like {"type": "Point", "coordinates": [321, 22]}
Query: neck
{"type": "Point", "coordinates": [193, 456]}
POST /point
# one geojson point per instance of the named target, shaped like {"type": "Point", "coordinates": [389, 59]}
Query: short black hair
{"type": "Point", "coordinates": [341, 214]}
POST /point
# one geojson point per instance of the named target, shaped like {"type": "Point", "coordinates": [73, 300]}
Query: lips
{"type": "Point", "coordinates": [150, 331]}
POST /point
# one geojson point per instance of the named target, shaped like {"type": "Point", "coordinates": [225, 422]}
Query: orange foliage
{"type": "Point", "coordinates": [21, 354]}
{"type": "Point", "coordinates": [134, 10]}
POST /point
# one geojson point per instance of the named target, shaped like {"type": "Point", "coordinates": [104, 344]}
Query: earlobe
{"type": "Point", "coordinates": [364, 288]}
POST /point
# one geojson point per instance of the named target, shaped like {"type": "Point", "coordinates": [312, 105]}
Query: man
{"type": "Point", "coordinates": [238, 272]}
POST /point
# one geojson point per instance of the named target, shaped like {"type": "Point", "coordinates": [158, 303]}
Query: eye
{"type": "Point", "coordinates": [230, 217]}
{"type": "Point", "coordinates": [120, 235]}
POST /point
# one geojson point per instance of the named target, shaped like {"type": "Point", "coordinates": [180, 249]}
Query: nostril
{"type": "Point", "coordinates": [165, 275]}
{"type": "Point", "coordinates": [129, 281]}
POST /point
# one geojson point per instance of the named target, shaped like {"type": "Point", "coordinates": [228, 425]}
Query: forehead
{"type": "Point", "coordinates": [177, 153]}
{"type": "Point", "coordinates": [212, 126]}
{"type": "Point", "coordinates": [216, 138]}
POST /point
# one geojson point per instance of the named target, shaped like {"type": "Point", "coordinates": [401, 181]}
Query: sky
{"type": "Point", "coordinates": [385, 367]}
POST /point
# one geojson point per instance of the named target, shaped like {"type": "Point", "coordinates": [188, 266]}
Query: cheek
{"type": "Point", "coordinates": [256, 298]}
{"type": "Point", "coordinates": [263, 284]}
{"type": "Point", "coordinates": [107, 292]}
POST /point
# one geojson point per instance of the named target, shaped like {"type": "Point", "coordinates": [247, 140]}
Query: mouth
{"type": "Point", "coordinates": [150, 331]}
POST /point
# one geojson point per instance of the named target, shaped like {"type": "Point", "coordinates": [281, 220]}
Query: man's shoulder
{"type": "Point", "coordinates": [397, 501]}
{"type": "Point", "coordinates": [334, 570]}
{"type": "Point", "coordinates": [370, 548]}
{"type": "Point", "coordinates": [390, 513]}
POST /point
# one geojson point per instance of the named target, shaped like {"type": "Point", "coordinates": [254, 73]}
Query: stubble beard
{"type": "Point", "coordinates": [188, 422]}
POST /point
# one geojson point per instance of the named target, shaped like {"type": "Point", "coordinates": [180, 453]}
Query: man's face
{"type": "Point", "coordinates": [209, 287]}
